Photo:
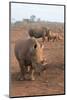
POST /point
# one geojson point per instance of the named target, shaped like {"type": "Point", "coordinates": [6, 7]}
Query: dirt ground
{"type": "Point", "coordinates": [51, 81]}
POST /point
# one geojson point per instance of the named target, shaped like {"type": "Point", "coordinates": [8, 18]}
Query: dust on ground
{"type": "Point", "coordinates": [51, 81]}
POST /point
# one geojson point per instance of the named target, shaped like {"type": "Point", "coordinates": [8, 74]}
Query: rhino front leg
{"type": "Point", "coordinates": [21, 75]}
{"type": "Point", "coordinates": [33, 74]}
{"type": "Point", "coordinates": [34, 71]}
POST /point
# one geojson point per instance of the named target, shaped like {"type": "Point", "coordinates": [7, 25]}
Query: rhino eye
{"type": "Point", "coordinates": [35, 46]}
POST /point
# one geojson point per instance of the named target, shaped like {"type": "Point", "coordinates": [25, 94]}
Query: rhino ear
{"type": "Point", "coordinates": [35, 46]}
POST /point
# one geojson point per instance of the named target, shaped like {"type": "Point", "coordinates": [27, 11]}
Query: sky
{"type": "Point", "coordinates": [53, 13]}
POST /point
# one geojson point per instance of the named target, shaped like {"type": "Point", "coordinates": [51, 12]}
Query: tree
{"type": "Point", "coordinates": [32, 18]}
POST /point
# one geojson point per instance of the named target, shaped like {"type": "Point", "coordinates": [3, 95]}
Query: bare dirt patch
{"type": "Point", "coordinates": [51, 81]}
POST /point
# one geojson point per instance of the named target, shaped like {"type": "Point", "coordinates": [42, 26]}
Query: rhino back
{"type": "Point", "coordinates": [23, 49]}
{"type": "Point", "coordinates": [37, 33]}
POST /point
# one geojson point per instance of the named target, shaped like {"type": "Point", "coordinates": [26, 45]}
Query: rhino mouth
{"type": "Point", "coordinates": [42, 61]}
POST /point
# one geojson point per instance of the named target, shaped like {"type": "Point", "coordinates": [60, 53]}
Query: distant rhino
{"type": "Point", "coordinates": [29, 53]}
{"type": "Point", "coordinates": [53, 36]}
{"type": "Point", "coordinates": [38, 32]}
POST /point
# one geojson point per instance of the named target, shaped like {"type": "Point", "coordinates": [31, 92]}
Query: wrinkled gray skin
{"type": "Point", "coordinates": [25, 52]}
{"type": "Point", "coordinates": [38, 33]}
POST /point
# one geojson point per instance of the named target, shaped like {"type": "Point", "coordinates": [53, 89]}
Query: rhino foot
{"type": "Point", "coordinates": [32, 78]}
{"type": "Point", "coordinates": [20, 77]}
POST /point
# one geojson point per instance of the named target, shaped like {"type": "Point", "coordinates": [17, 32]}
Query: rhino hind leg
{"type": "Point", "coordinates": [55, 39]}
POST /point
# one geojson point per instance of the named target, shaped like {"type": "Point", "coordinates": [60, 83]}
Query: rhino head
{"type": "Point", "coordinates": [38, 58]}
